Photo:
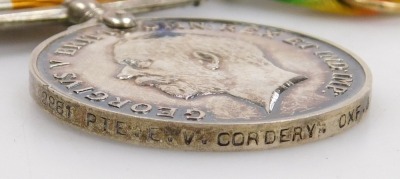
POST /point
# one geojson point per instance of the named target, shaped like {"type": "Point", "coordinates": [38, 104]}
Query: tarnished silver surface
{"type": "Point", "coordinates": [17, 18]}
{"type": "Point", "coordinates": [197, 84]}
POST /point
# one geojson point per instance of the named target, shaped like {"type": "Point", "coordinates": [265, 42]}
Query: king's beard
{"type": "Point", "coordinates": [191, 87]}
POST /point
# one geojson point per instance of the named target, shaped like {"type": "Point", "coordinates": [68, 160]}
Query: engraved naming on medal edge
{"type": "Point", "coordinates": [236, 138]}
{"type": "Point", "coordinates": [219, 67]}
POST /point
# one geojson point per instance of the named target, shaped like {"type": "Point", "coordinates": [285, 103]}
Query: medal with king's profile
{"type": "Point", "coordinates": [198, 84]}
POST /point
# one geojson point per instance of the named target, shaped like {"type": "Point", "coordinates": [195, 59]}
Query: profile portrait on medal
{"type": "Point", "coordinates": [188, 66]}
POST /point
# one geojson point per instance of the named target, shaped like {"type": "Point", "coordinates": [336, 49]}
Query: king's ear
{"type": "Point", "coordinates": [208, 59]}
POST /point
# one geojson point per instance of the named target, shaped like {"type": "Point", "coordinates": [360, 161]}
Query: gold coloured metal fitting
{"type": "Point", "coordinates": [375, 5]}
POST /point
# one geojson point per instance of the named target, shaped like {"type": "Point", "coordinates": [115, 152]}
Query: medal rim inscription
{"type": "Point", "coordinates": [320, 115]}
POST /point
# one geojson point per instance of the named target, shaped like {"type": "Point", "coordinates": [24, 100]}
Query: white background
{"type": "Point", "coordinates": [34, 145]}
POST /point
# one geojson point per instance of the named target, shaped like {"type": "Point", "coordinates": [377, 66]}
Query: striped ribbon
{"type": "Point", "coordinates": [21, 4]}
{"type": "Point", "coordinates": [330, 6]}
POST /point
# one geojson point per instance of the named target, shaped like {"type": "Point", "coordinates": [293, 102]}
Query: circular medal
{"type": "Point", "coordinates": [204, 85]}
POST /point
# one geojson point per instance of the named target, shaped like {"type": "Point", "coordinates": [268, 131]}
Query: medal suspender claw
{"type": "Point", "coordinates": [23, 12]}
{"type": "Point", "coordinates": [194, 84]}
{"type": "Point", "coordinates": [80, 11]}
